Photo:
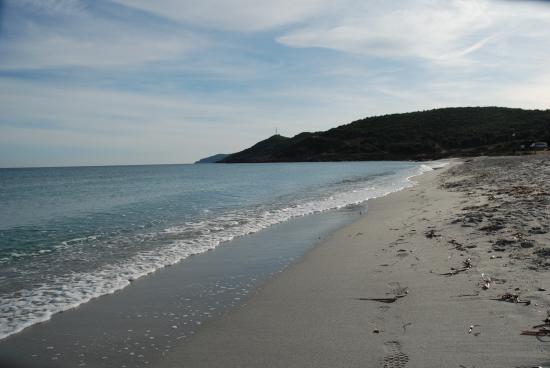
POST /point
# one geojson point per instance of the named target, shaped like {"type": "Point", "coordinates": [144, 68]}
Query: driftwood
{"type": "Point", "coordinates": [381, 300]}
{"type": "Point", "coordinates": [453, 272]}
{"type": "Point", "coordinates": [456, 244]}
{"type": "Point", "coordinates": [545, 324]}
{"type": "Point", "coordinates": [541, 332]}
{"type": "Point", "coordinates": [511, 298]}
{"type": "Point", "coordinates": [384, 300]}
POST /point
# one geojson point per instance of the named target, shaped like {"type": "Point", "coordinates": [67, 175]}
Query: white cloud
{"type": "Point", "coordinates": [237, 15]}
{"type": "Point", "coordinates": [66, 33]}
{"type": "Point", "coordinates": [436, 30]}
{"type": "Point", "coordinates": [55, 50]}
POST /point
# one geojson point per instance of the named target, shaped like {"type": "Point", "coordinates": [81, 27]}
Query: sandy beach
{"type": "Point", "coordinates": [445, 274]}
{"type": "Point", "coordinates": [278, 184]}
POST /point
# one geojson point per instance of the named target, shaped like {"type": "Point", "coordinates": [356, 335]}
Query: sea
{"type": "Point", "coordinates": [71, 234]}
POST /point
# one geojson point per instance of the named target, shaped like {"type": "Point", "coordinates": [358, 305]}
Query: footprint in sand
{"type": "Point", "coordinates": [394, 358]}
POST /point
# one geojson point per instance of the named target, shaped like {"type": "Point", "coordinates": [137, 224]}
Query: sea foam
{"type": "Point", "coordinates": [26, 307]}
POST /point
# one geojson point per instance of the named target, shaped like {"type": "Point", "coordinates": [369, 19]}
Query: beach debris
{"type": "Point", "coordinates": [501, 244]}
{"type": "Point", "coordinates": [467, 265]}
{"type": "Point", "coordinates": [381, 300]}
{"type": "Point", "coordinates": [430, 234]}
{"type": "Point", "coordinates": [457, 245]}
{"type": "Point", "coordinates": [525, 244]}
{"type": "Point", "coordinates": [543, 253]}
{"type": "Point", "coordinates": [537, 230]}
{"type": "Point", "coordinates": [467, 295]}
{"type": "Point", "coordinates": [518, 236]}
{"type": "Point", "coordinates": [542, 329]}
{"type": "Point", "coordinates": [511, 298]}
{"type": "Point", "coordinates": [400, 292]}
{"type": "Point", "coordinates": [471, 329]}
{"type": "Point", "coordinates": [461, 247]}
{"type": "Point", "coordinates": [546, 321]}
{"type": "Point", "coordinates": [540, 332]}
{"type": "Point", "coordinates": [453, 272]}
{"type": "Point", "coordinates": [376, 331]}
{"type": "Point", "coordinates": [486, 281]}
{"type": "Point", "coordinates": [495, 226]}
{"type": "Point", "coordinates": [406, 325]}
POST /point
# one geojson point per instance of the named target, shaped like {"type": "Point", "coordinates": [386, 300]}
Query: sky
{"type": "Point", "coordinates": [144, 82]}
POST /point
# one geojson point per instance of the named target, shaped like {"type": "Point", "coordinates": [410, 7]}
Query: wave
{"type": "Point", "coordinates": [26, 307]}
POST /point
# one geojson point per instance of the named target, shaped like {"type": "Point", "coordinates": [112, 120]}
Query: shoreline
{"type": "Point", "coordinates": [165, 246]}
{"type": "Point", "coordinates": [140, 319]}
{"type": "Point", "coordinates": [106, 330]}
{"type": "Point", "coordinates": [409, 252]}
{"type": "Point", "coordinates": [407, 249]}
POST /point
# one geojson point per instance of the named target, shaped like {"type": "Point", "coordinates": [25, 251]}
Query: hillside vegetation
{"type": "Point", "coordinates": [433, 134]}
{"type": "Point", "coordinates": [212, 159]}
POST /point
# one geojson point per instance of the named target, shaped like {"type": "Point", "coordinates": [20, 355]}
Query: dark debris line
{"type": "Point", "coordinates": [514, 204]}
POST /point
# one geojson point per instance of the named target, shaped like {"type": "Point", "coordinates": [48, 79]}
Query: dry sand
{"type": "Point", "coordinates": [418, 244]}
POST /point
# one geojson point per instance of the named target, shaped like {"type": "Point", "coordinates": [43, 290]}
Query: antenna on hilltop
{"type": "Point", "coordinates": [276, 131]}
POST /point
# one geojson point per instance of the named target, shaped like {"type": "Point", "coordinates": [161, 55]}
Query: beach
{"type": "Point", "coordinates": [445, 274]}
{"type": "Point", "coordinates": [292, 183]}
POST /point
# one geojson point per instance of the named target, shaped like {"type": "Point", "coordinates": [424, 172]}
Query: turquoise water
{"type": "Point", "coordinates": [71, 234]}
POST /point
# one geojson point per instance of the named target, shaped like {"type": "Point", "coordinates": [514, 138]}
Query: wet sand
{"type": "Point", "coordinates": [445, 274]}
{"type": "Point", "coordinates": [139, 325]}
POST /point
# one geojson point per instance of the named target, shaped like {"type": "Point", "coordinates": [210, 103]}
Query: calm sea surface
{"type": "Point", "coordinates": [68, 235]}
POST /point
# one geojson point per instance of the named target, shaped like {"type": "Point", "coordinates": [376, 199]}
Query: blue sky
{"type": "Point", "coordinates": [168, 81]}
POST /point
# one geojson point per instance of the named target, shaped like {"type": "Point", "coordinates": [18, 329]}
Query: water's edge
{"type": "Point", "coordinates": [173, 302]}
{"type": "Point", "coordinates": [117, 277]}
{"type": "Point", "coordinates": [149, 316]}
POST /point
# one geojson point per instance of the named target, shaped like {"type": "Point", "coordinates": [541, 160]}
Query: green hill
{"type": "Point", "coordinates": [212, 159]}
{"type": "Point", "coordinates": [433, 134]}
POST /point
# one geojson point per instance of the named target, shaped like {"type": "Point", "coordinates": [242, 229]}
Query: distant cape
{"type": "Point", "coordinates": [212, 159]}
{"type": "Point", "coordinates": [423, 135]}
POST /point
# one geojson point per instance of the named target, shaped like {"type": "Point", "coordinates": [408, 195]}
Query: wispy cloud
{"type": "Point", "coordinates": [50, 33]}
{"type": "Point", "coordinates": [234, 15]}
{"type": "Point", "coordinates": [426, 29]}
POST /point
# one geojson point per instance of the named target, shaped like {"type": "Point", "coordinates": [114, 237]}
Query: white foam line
{"type": "Point", "coordinates": [27, 307]}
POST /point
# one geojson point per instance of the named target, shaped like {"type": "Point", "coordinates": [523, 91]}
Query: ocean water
{"type": "Point", "coordinates": [68, 235]}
